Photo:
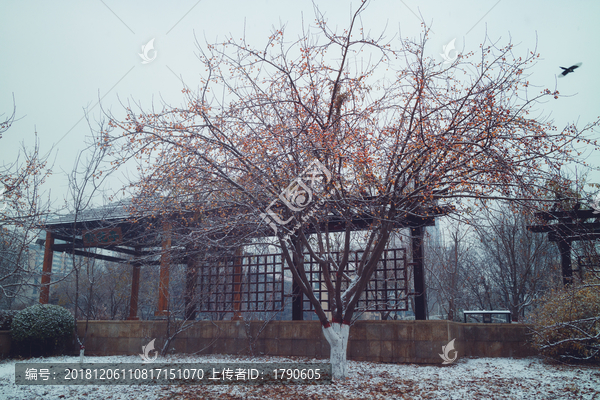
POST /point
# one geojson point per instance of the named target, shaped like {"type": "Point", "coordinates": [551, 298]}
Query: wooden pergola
{"type": "Point", "coordinates": [148, 241]}
{"type": "Point", "coordinates": [111, 229]}
{"type": "Point", "coordinates": [566, 227]}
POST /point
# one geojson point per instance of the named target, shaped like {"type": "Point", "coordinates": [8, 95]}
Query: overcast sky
{"type": "Point", "coordinates": [58, 58]}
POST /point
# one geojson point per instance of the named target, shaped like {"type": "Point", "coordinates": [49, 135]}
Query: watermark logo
{"type": "Point", "coordinates": [596, 204]}
{"type": "Point", "coordinates": [447, 349]}
{"type": "Point", "coordinates": [147, 48]}
{"type": "Point", "coordinates": [298, 195]}
{"type": "Point", "coordinates": [3, 204]}
{"type": "Point", "coordinates": [147, 349]}
{"type": "Point", "coordinates": [446, 54]}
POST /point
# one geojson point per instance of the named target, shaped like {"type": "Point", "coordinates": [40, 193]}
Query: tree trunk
{"type": "Point", "coordinates": [515, 313]}
{"type": "Point", "coordinates": [337, 337]}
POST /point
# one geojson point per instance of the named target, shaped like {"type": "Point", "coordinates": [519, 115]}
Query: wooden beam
{"type": "Point", "coordinates": [573, 214]}
{"type": "Point", "coordinates": [78, 244]}
{"type": "Point", "coordinates": [94, 255]}
{"type": "Point", "coordinates": [571, 228]}
{"type": "Point", "coordinates": [573, 237]}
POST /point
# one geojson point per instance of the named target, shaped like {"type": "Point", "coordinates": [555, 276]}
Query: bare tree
{"type": "Point", "coordinates": [22, 208]}
{"type": "Point", "coordinates": [522, 264]}
{"type": "Point", "coordinates": [453, 270]}
{"type": "Point", "coordinates": [109, 297]}
{"type": "Point", "coordinates": [86, 182]}
{"type": "Point", "coordinates": [323, 147]}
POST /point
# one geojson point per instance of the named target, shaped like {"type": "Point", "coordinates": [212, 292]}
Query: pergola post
{"type": "Point", "coordinates": [297, 295]}
{"type": "Point", "coordinates": [47, 269]}
{"type": "Point", "coordinates": [135, 287]}
{"type": "Point", "coordinates": [297, 302]}
{"type": "Point", "coordinates": [564, 247]}
{"type": "Point", "coordinates": [190, 286]}
{"type": "Point", "coordinates": [165, 266]}
{"type": "Point", "coordinates": [564, 228]}
{"type": "Point", "coordinates": [237, 287]}
{"type": "Point", "coordinates": [419, 273]}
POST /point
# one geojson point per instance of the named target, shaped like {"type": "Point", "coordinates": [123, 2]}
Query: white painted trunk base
{"type": "Point", "coordinates": [337, 337]}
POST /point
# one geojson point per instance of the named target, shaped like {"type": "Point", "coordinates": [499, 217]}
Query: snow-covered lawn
{"type": "Point", "coordinates": [483, 378]}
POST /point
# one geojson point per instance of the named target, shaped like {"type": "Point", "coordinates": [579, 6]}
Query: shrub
{"type": "Point", "coordinates": [566, 324]}
{"type": "Point", "coordinates": [6, 317]}
{"type": "Point", "coordinates": [42, 329]}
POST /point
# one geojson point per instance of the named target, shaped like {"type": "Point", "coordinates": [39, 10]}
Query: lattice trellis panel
{"type": "Point", "coordinates": [241, 284]}
{"type": "Point", "coordinates": [255, 283]}
{"type": "Point", "coordinates": [387, 290]}
{"type": "Point", "coordinates": [587, 264]}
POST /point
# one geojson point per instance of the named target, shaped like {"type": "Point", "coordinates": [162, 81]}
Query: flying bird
{"type": "Point", "coordinates": [569, 70]}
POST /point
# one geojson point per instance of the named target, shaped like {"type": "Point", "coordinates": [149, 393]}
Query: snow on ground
{"type": "Point", "coordinates": [483, 378]}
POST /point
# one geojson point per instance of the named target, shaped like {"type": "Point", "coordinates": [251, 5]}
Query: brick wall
{"type": "Point", "coordinates": [380, 341]}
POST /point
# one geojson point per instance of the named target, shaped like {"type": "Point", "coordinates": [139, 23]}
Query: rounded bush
{"type": "Point", "coordinates": [42, 328]}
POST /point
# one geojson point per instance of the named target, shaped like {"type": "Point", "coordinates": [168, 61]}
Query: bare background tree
{"type": "Point", "coordinates": [522, 264]}
{"type": "Point", "coordinates": [23, 207]}
{"type": "Point", "coordinates": [454, 270]}
{"type": "Point", "coordinates": [86, 182]}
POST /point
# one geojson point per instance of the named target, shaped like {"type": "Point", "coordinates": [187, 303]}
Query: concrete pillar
{"type": "Point", "coordinates": [47, 269]}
